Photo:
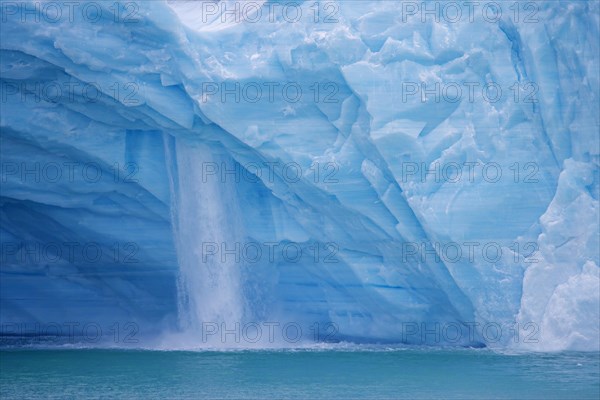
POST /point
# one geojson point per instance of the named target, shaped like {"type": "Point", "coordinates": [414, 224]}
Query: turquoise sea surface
{"type": "Point", "coordinates": [297, 374]}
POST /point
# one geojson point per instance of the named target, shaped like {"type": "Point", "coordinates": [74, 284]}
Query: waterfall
{"type": "Point", "coordinates": [206, 220]}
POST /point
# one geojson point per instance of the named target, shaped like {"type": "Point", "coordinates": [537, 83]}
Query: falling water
{"type": "Point", "coordinates": [206, 220]}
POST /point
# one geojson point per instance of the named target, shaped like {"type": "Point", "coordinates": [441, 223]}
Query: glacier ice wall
{"type": "Point", "coordinates": [437, 206]}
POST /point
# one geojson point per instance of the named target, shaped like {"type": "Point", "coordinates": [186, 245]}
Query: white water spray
{"type": "Point", "coordinates": [206, 214]}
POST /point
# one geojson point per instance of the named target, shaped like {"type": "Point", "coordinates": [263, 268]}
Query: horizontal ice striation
{"type": "Point", "coordinates": [162, 114]}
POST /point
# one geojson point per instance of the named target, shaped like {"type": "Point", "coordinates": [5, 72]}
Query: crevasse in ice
{"type": "Point", "coordinates": [359, 133]}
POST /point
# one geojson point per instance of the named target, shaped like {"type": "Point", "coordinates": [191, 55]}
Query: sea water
{"type": "Point", "coordinates": [370, 373]}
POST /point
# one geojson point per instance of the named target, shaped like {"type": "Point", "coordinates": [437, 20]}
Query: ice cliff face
{"type": "Point", "coordinates": [388, 170]}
